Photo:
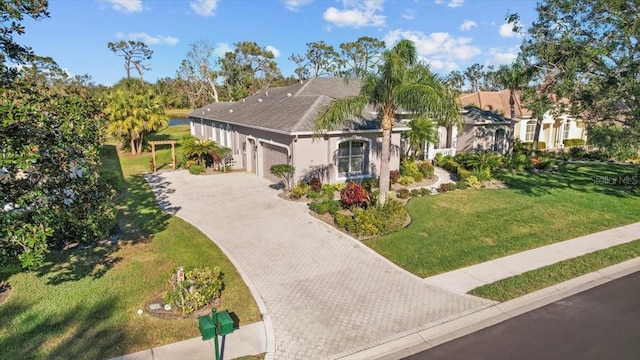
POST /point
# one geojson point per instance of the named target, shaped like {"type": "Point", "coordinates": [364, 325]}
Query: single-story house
{"type": "Point", "coordinates": [554, 131]}
{"type": "Point", "coordinates": [483, 130]}
{"type": "Point", "coordinates": [275, 126]}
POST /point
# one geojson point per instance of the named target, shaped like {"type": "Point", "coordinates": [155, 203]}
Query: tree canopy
{"type": "Point", "coordinates": [586, 51]}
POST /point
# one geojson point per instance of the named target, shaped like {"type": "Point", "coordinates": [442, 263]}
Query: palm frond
{"type": "Point", "coordinates": [339, 113]}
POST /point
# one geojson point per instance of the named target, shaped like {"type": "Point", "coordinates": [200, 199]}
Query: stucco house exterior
{"type": "Point", "coordinates": [483, 130]}
{"type": "Point", "coordinates": [275, 126]}
{"type": "Point", "coordinates": [554, 130]}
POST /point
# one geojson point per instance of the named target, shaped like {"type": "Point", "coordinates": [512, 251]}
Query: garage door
{"type": "Point", "coordinates": [272, 155]}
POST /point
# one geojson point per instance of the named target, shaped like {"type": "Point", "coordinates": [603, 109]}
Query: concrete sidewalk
{"type": "Point", "coordinates": [468, 278]}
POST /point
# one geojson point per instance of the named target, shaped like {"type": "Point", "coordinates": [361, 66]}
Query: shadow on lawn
{"type": "Point", "coordinates": [79, 332]}
{"type": "Point", "coordinates": [608, 179]}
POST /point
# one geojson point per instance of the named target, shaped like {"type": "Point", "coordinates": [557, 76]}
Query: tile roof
{"type": "Point", "coordinates": [497, 101]}
{"type": "Point", "coordinates": [285, 109]}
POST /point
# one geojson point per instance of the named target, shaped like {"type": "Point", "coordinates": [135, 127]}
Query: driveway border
{"type": "Point", "coordinates": [426, 339]}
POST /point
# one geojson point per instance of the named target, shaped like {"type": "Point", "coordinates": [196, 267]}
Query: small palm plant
{"type": "Point", "coordinates": [197, 150]}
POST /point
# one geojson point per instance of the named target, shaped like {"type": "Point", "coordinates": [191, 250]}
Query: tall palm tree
{"type": "Point", "coordinates": [516, 77]}
{"type": "Point", "coordinates": [402, 82]}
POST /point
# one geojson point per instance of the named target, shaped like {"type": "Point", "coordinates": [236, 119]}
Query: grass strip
{"type": "Point", "coordinates": [519, 285]}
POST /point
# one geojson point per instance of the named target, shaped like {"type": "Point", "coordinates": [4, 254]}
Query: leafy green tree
{"type": "Point", "coordinates": [51, 193]}
{"type": "Point", "coordinates": [134, 111]}
{"type": "Point", "coordinates": [361, 56]}
{"type": "Point", "coordinates": [12, 53]}
{"type": "Point", "coordinates": [586, 51]}
{"type": "Point", "coordinates": [455, 80]}
{"type": "Point", "coordinates": [285, 172]}
{"type": "Point", "coordinates": [135, 55]}
{"type": "Point", "coordinates": [474, 74]}
{"type": "Point", "coordinates": [321, 59]}
{"type": "Point", "coordinates": [402, 82]}
{"type": "Point", "coordinates": [248, 69]}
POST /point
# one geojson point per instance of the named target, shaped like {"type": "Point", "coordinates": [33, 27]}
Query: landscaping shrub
{"type": "Point", "coordinates": [411, 168]}
{"type": "Point", "coordinates": [425, 191]}
{"type": "Point", "coordinates": [354, 195]}
{"type": "Point", "coordinates": [316, 184]}
{"type": "Point", "coordinates": [406, 180]}
{"type": "Point", "coordinates": [449, 164]}
{"type": "Point", "coordinates": [374, 221]}
{"type": "Point", "coordinates": [403, 193]}
{"type": "Point", "coordinates": [462, 173]}
{"type": "Point", "coordinates": [284, 172]}
{"type": "Point", "coordinates": [426, 169]}
{"type": "Point", "coordinates": [577, 153]}
{"type": "Point", "coordinates": [461, 185]}
{"type": "Point", "coordinates": [196, 169]}
{"type": "Point", "coordinates": [415, 193]}
{"type": "Point", "coordinates": [448, 187]}
{"type": "Point", "coordinates": [393, 176]}
{"type": "Point", "coordinates": [573, 142]}
{"type": "Point", "coordinates": [299, 191]}
{"type": "Point", "coordinates": [481, 175]}
{"type": "Point", "coordinates": [199, 287]}
{"type": "Point", "coordinates": [471, 181]}
{"type": "Point", "coordinates": [369, 184]}
{"type": "Point", "coordinates": [325, 206]}
{"type": "Point", "coordinates": [529, 145]}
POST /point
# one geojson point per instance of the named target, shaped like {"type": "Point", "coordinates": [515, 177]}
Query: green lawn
{"type": "Point", "coordinates": [513, 287]}
{"type": "Point", "coordinates": [466, 227]}
{"type": "Point", "coordinates": [178, 113]}
{"type": "Point", "coordinates": [83, 303]}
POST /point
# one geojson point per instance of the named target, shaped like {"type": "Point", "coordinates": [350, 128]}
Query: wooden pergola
{"type": "Point", "coordinates": [163, 142]}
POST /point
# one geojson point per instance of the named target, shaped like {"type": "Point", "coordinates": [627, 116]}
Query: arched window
{"type": "Point", "coordinates": [352, 158]}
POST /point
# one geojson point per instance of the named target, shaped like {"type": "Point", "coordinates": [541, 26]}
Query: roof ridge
{"type": "Point", "coordinates": [311, 108]}
{"type": "Point", "coordinates": [304, 86]}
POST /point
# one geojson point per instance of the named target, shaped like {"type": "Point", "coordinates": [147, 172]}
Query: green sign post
{"type": "Point", "coordinates": [218, 324]}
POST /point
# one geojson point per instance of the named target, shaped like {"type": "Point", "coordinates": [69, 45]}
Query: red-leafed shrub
{"type": "Point", "coordinates": [354, 195]}
{"type": "Point", "coordinates": [394, 175]}
{"type": "Point", "coordinates": [316, 184]}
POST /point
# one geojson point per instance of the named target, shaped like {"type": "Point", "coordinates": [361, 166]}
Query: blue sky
{"type": "Point", "coordinates": [449, 34]}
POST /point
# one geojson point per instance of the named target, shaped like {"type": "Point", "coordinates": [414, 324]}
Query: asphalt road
{"type": "Point", "coordinates": [600, 323]}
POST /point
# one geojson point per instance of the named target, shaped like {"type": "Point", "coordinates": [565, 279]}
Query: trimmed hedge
{"type": "Point", "coordinates": [573, 142]}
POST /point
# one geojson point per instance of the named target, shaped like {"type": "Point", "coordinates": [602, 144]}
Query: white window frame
{"type": "Point", "coordinates": [366, 159]}
{"type": "Point", "coordinates": [530, 131]}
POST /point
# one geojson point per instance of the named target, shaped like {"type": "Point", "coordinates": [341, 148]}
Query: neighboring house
{"type": "Point", "coordinates": [275, 126]}
{"type": "Point", "coordinates": [483, 131]}
{"type": "Point", "coordinates": [554, 129]}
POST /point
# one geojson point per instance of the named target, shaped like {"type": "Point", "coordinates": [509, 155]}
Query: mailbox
{"type": "Point", "coordinates": [224, 323]}
{"type": "Point", "coordinates": [207, 327]}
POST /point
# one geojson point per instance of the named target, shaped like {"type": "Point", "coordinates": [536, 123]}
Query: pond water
{"type": "Point", "coordinates": [178, 121]}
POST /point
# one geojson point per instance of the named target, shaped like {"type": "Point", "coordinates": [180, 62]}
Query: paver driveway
{"type": "Point", "coordinates": [327, 294]}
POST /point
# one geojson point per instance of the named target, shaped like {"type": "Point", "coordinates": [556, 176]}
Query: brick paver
{"type": "Point", "coordinates": [327, 294]}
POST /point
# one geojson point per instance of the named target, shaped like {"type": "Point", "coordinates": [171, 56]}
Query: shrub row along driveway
{"type": "Point", "coordinates": [328, 295]}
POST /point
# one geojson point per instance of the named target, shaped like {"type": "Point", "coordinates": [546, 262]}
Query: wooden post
{"type": "Point", "coordinates": [173, 155]}
{"type": "Point", "coordinates": [153, 156]}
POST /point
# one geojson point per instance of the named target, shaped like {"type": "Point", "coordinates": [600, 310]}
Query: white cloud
{"type": "Point", "coordinates": [409, 14]}
{"type": "Point", "coordinates": [149, 39]}
{"type": "Point", "coordinates": [221, 49]}
{"type": "Point", "coordinates": [506, 30]}
{"type": "Point", "coordinates": [468, 25]}
{"type": "Point", "coordinates": [204, 7]}
{"type": "Point", "coordinates": [295, 5]}
{"type": "Point", "coordinates": [441, 66]}
{"type": "Point", "coordinates": [356, 13]}
{"type": "Point", "coordinates": [451, 3]}
{"type": "Point", "coordinates": [274, 50]}
{"type": "Point", "coordinates": [436, 46]}
{"type": "Point", "coordinates": [501, 57]}
{"type": "Point", "coordinates": [126, 6]}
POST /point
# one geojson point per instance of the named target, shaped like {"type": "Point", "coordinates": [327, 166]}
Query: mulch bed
{"type": "Point", "coordinates": [174, 313]}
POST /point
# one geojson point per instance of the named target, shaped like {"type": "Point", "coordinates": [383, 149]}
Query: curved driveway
{"type": "Point", "coordinates": [328, 295]}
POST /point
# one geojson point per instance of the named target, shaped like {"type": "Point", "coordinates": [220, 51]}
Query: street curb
{"type": "Point", "coordinates": [439, 334]}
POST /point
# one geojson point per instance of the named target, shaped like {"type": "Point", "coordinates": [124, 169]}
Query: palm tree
{"type": "Point", "coordinates": [133, 112]}
{"type": "Point", "coordinates": [420, 131]}
{"type": "Point", "coordinates": [402, 82]}
{"type": "Point", "coordinates": [515, 77]}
